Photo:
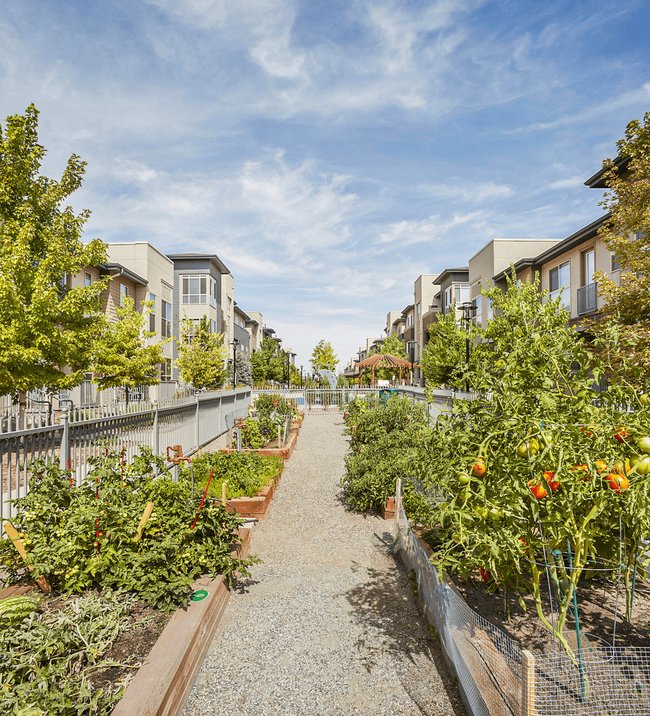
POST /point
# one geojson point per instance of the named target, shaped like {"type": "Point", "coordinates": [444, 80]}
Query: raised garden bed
{"type": "Point", "coordinates": [284, 452]}
{"type": "Point", "coordinates": [162, 685]}
{"type": "Point", "coordinates": [258, 505]}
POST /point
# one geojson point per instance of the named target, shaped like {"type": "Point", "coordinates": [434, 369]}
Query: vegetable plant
{"type": "Point", "coordinates": [82, 538]}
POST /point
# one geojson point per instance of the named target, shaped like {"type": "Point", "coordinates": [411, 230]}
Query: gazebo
{"type": "Point", "coordinates": [383, 360]}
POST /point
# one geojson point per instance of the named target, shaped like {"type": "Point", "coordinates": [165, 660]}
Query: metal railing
{"type": "Point", "coordinates": [587, 298]}
{"type": "Point", "coordinates": [77, 435]}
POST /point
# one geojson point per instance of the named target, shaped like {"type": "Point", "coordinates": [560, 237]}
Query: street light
{"type": "Point", "coordinates": [467, 308]}
{"type": "Point", "coordinates": [300, 377]}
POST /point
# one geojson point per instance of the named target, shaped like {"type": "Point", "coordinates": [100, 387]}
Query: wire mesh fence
{"type": "Point", "coordinates": [496, 677]}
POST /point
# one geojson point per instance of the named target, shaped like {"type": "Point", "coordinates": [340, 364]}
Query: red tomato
{"type": "Point", "coordinates": [553, 484]}
{"type": "Point", "coordinates": [538, 491]}
{"type": "Point", "coordinates": [485, 575]}
{"type": "Point", "coordinates": [617, 482]}
{"type": "Point", "coordinates": [601, 465]}
{"type": "Point", "coordinates": [621, 435]}
{"type": "Point", "coordinates": [480, 467]}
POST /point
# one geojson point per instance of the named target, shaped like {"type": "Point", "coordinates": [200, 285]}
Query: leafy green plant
{"type": "Point", "coordinates": [386, 446]}
{"type": "Point", "coordinates": [246, 473]}
{"type": "Point", "coordinates": [82, 538]}
{"type": "Point", "coordinates": [46, 660]}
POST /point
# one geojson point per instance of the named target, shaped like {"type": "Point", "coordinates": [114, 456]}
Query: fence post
{"type": "Point", "coordinates": [64, 454]}
{"type": "Point", "coordinates": [196, 423]}
{"type": "Point", "coordinates": [527, 684]}
{"type": "Point", "coordinates": [156, 436]}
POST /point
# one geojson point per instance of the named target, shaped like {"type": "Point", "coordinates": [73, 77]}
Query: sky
{"type": "Point", "coordinates": [328, 152]}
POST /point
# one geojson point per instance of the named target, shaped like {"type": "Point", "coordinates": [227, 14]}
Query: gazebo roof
{"type": "Point", "coordinates": [383, 360]}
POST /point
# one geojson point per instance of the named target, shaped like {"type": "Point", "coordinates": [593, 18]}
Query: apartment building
{"type": "Point", "coordinates": [155, 272]}
{"type": "Point", "coordinates": [254, 326]}
{"type": "Point", "coordinates": [242, 337]}
{"type": "Point", "coordinates": [491, 261]}
{"type": "Point", "coordinates": [568, 268]}
{"type": "Point", "coordinates": [395, 324]}
{"type": "Point", "coordinates": [201, 283]}
{"type": "Point", "coordinates": [425, 288]}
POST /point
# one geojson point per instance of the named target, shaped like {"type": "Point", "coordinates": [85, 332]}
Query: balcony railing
{"type": "Point", "coordinates": [587, 298]}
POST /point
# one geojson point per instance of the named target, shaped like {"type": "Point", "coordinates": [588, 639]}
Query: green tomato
{"type": "Point", "coordinates": [496, 515]}
{"type": "Point", "coordinates": [463, 478]}
{"type": "Point", "coordinates": [483, 512]}
{"type": "Point", "coordinates": [644, 399]}
{"type": "Point", "coordinates": [643, 465]}
{"type": "Point", "coordinates": [644, 444]}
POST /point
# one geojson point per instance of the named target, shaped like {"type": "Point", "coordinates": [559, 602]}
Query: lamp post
{"type": "Point", "coordinates": [300, 377]}
{"type": "Point", "coordinates": [235, 343]}
{"type": "Point", "coordinates": [468, 308]}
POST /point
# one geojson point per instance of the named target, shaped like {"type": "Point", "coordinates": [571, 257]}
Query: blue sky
{"type": "Point", "coordinates": [329, 152]}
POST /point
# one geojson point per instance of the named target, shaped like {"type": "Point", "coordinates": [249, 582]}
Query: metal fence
{"type": "Point", "coordinates": [74, 437]}
{"type": "Point", "coordinates": [496, 677]}
{"type": "Point", "coordinates": [315, 400]}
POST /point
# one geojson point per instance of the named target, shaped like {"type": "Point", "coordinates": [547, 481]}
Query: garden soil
{"type": "Point", "coordinates": [328, 624]}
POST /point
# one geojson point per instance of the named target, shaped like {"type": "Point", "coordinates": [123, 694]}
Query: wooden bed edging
{"type": "Point", "coordinates": [162, 685]}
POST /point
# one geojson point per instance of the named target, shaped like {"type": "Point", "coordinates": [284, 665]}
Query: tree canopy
{"type": "Point", "coordinates": [47, 329]}
{"type": "Point", "coordinates": [267, 363]}
{"type": "Point", "coordinates": [323, 356]}
{"type": "Point", "coordinates": [121, 356]}
{"type": "Point", "coordinates": [627, 235]}
{"type": "Point", "coordinates": [202, 357]}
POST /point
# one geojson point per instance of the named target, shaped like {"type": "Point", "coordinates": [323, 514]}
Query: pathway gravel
{"type": "Point", "coordinates": [328, 623]}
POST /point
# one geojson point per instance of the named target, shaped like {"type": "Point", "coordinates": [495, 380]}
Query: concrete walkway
{"type": "Point", "coordinates": [328, 623]}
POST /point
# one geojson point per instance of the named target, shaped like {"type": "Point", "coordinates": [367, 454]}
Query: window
{"type": "Point", "coordinates": [418, 308]}
{"type": "Point", "coordinates": [409, 319]}
{"type": "Point", "coordinates": [447, 301]}
{"type": "Point", "coordinates": [124, 294]}
{"type": "Point", "coordinates": [166, 319]}
{"type": "Point", "coordinates": [560, 278]}
{"type": "Point", "coordinates": [213, 326]}
{"type": "Point", "coordinates": [166, 370]}
{"type": "Point", "coordinates": [490, 311]}
{"type": "Point", "coordinates": [616, 266]}
{"type": "Point", "coordinates": [588, 267]}
{"type": "Point", "coordinates": [196, 289]}
{"type": "Point", "coordinates": [89, 280]}
{"type": "Point", "coordinates": [152, 313]}
{"type": "Point", "coordinates": [478, 313]}
{"type": "Point", "coordinates": [461, 293]}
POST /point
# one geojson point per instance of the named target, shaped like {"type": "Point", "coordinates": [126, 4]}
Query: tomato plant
{"type": "Point", "coordinates": [82, 538]}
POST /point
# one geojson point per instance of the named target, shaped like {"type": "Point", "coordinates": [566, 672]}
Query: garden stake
{"type": "Point", "coordinates": [575, 616]}
{"type": "Point", "coordinates": [207, 487]}
{"type": "Point", "coordinates": [223, 492]}
{"type": "Point", "coordinates": [70, 476]}
{"type": "Point", "coordinates": [143, 521]}
{"type": "Point", "coordinates": [13, 536]}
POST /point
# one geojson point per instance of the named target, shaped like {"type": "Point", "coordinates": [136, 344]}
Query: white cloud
{"type": "Point", "coordinates": [470, 192]}
{"type": "Point", "coordinates": [568, 183]}
{"type": "Point", "coordinates": [405, 233]}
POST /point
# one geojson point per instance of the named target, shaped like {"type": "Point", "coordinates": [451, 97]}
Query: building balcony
{"type": "Point", "coordinates": [587, 298]}
{"type": "Point", "coordinates": [409, 333]}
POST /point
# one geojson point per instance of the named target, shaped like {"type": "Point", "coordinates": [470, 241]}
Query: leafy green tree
{"type": "Point", "coordinates": [444, 356]}
{"type": "Point", "coordinates": [121, 356]}
{"type": "Point", "coordinates": [202, 357]}
{"type": "Point", "coordinates": [243, 369]}
{"type": "Point", "coordinates": [267, 363]}
{"type": "Point", "coordinates": [627, 235]}
{"type": "Point", "coordinates": [47, 329]}
{"type": "Point", "coordinates": [323, 356]}
{"type": "Point", "coordinates": [392, 346]}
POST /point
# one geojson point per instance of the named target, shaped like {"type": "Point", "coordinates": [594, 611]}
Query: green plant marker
{"type": "Point", "coordinates": [199, 595]}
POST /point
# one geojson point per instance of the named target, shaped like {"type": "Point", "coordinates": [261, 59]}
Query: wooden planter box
{"type": "Point", "coordinates": [389, 509]}
{"type": "Point", "coordinates": [162, 685]}
{"type": "Point", "coordinates": [284, 453]}
{"type": "Point", "coordinates": [257, 506]}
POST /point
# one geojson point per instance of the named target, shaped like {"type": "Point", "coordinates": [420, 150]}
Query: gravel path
{"type": "Point", "coordinates": [328, 623]}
